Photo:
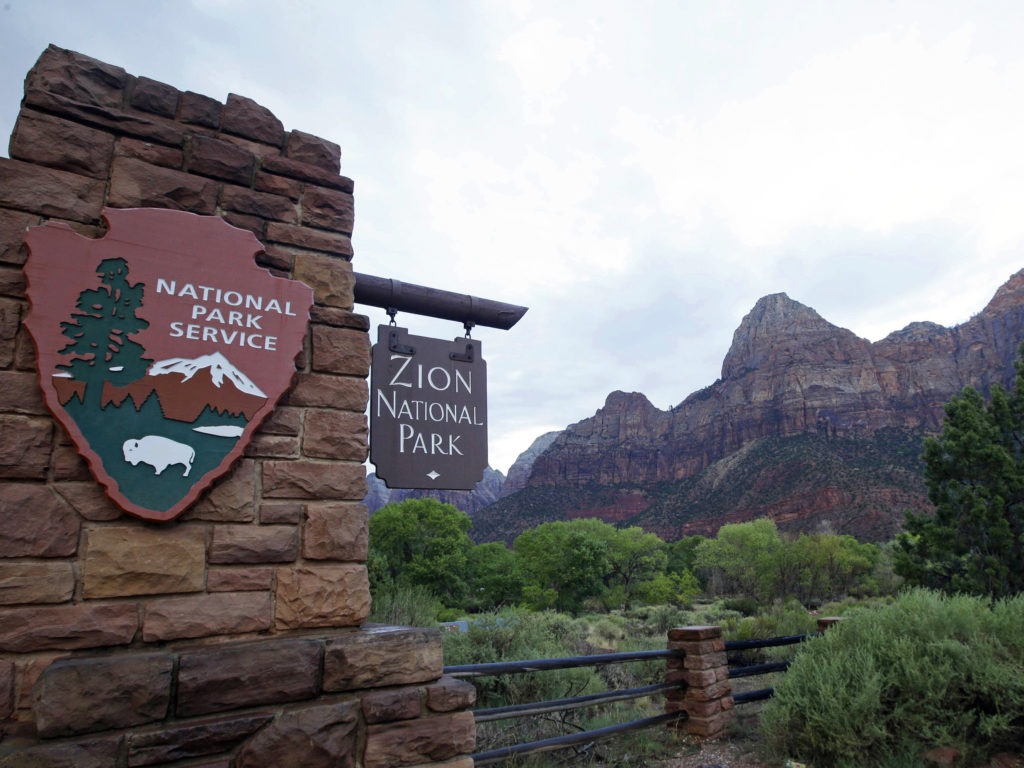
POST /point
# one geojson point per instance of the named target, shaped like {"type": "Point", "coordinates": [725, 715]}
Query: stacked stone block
{"type": "Point", "coordinates": [703, 676]}
{"type": "Point", "coordinates": [233, 633]}
{"type": "Point", "coordinates": [168, 705]}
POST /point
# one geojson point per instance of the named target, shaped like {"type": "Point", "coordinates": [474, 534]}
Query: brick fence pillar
{"type": "Point", "coordinates": [703, 676]}
{"type": "Point", "coordinates": [826, 622]}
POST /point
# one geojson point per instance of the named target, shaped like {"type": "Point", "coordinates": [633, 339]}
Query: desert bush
{"type": "Point", "coordinates": [412, 606]}
{"type": "Point", "coordinates": [517, 635]}
{"type": "Point", "coordinates": [748, 606]}
{"type": "Point", "coordinates": [784, 617]}
{"type": "Point", "coordinates": [659, 619]}
{"type": "Point", "coordinates": [897, 680]}
{"type": "Point", "coordinates": [607, 633]}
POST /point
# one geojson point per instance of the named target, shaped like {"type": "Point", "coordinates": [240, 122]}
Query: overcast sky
{"type": "Point", "coordinates": [637, 173]}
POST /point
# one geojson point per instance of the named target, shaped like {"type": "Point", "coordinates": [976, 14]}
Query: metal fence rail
{"type": "Point", "coordinates": [566, 662]}
{"type": "Point", "coordinates": [569, 662]}
{"type": "Point", "coordinates": [574, 702]}
{"type": "Point", "coordinates": [766, 642]}
{"type": "Point", "coordinates": [557, 705]}
{"type": "Point", "coordinates": [754, 670]}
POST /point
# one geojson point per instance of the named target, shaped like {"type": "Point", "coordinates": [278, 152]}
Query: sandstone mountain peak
{"type": "Point", "coordinates": [1011, 293]}
{"type": "Point", "coordinates": [519, 472]}
{"type": "Point", "coordinates": [620, 399]}
{"type": "Point", "coordinates": [779, 330]}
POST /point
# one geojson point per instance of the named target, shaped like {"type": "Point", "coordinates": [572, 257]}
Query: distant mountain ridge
{"type": "Point", "coordinates": [487, 491]}
{"type": "Point", "coordinates": [809, 424]}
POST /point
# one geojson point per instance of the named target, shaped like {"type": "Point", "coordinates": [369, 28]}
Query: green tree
{"type": "Point", "coordinates": [633, 557]}
{"type": "Point", "coordinates": [974, 472]}
{"type": "Point", "coordinates": [564, 563]}
{"type": "Point", "coordinates": [742, 559]}
{"type": "Point", "coordinates": [98, 332]}
{"type": "Point", "coordinates": [494, 580]}
{"type": "Point", "coordinates": [669, 589]}
{"type": "Point", "coordinates": [682, 554]}
{"type": "Point", "coordinates": [829, 566]}
{"type": "Point", "coordinates": [421, 542]}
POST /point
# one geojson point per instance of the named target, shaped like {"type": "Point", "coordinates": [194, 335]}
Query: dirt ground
{"type": "Point", "coordinates": [742, 747]}
{"type": "Point", "coordinates": [746, 753]}
{"type": "Point", "coordinates": [734, 753]}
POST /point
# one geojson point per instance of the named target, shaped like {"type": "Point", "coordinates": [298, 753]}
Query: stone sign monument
{"type": "Point", "coordinates": [182, 357]}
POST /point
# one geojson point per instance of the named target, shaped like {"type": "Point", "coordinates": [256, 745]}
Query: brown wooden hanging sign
{"type": "Point", "coordinates": [161, 348]}
{"type": "Point", "coordinates": [428, 411]}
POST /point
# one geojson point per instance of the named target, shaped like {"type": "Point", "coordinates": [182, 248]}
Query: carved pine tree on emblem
{"type": "Point", "coordinates": [99, 332]}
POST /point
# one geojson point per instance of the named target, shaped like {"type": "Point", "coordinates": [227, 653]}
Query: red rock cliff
{"type": "Point", "coordinates": [788, 372]}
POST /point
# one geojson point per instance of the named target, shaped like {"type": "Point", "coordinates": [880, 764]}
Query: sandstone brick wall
{"type": "Point", "coordinates": [233, 633]}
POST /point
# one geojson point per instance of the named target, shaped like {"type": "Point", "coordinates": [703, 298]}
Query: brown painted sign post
{"type": "Point", "coordinates": [161, 348]}
{"type": "Point", "coordinates": [428, 411]}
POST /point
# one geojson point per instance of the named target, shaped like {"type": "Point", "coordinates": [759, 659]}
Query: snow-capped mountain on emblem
{"type": "Point", "coordinates": [186, 387]}
{"type": "Point", "coordinates": [218, 366]}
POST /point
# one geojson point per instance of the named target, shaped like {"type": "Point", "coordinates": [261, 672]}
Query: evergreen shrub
{"type": "Point", "coordinates": [889, 683]}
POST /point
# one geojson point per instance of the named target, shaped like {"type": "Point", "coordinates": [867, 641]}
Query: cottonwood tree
{"type": "Point", "coordinates": [830, 566]}
{"type": "Point", "coordinates": [634, 557]}
{"type": "Point", "coordinates": [567, 562]}
{"type": "Point", "coordinates": [493, 579]}
{"type": "Point", "coordinates": [742, 559]}
{"type": "Point", "coordinates": [563, 564]}
{"type": "Point", "coordinates": [421, 542]}
{"type": "Point", "coordinates": [974, 471]}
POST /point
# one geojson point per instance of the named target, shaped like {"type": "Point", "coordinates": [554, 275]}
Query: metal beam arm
{"type": "Point", "coordinates": [388, 293]}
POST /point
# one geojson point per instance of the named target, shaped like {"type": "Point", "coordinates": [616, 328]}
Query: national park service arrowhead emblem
{"type": "Point", "coordinates": [161, 348]}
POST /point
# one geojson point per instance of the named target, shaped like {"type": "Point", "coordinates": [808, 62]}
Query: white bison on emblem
{"type": "Point", "coordinates": [159, 452]}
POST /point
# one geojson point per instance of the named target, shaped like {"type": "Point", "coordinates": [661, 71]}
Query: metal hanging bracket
{"type": "Point", "coordinates": [393, 336]}
{"type": "Point", "coordinates": [463, 357]}
{"type": "Point", "coordinates": [467, 356]}
{"type": "Point", "coordinates": [396, 347]}
{"type": "Point", "coordinates": [396, 296]}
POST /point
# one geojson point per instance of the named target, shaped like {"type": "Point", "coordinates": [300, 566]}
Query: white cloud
{"type": "Point", "coordinates": [524, 226]}
{"type": "Point", "coordinates": [892, 130]}
{"type": "Point", "coordinates": [544, 58]}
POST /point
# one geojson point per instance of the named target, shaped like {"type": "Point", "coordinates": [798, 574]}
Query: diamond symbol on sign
{"type": "Point", "coordinates": [433, 474]}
